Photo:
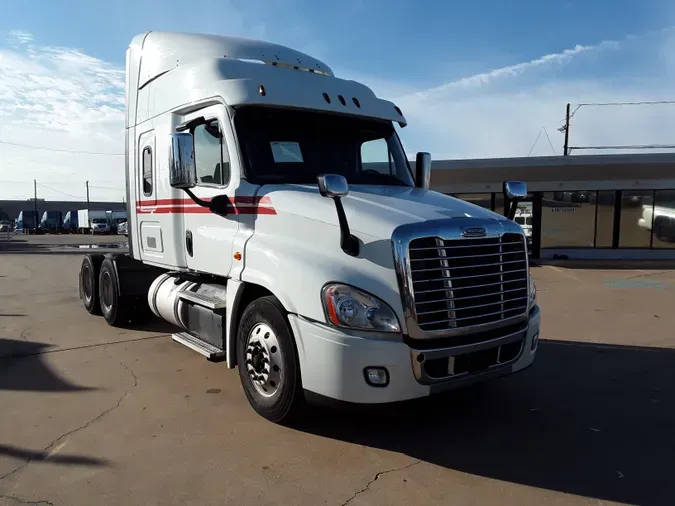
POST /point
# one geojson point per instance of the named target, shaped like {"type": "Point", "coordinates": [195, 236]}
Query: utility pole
{"type": "Point", "coordinates": [567, 130]}
{"type": "Point", "coordinates": [87, 198]}
{"type": "Point", "coordinates": [35, 204]}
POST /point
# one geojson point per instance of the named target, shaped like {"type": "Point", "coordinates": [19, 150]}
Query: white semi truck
{"type": "Point", "coordinates": [275, 219]}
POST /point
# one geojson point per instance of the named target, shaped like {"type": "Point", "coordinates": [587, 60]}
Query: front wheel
{"type": "Point", "coordinates": [268, 361]}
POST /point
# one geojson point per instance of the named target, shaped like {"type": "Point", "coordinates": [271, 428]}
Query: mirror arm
{"type": "Point", "coordinates": [511, 214]}
{"type": "Point", "coordinates": [217, 205]}
{"type": "Point", "coordinates": [348, 242]}
{"type": "Point", "coordinates": [196, 199]}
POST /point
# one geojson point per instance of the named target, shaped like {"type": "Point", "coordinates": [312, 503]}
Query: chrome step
{"type": "Point", "coordinates": [207, 300]}
{"type": "Point", "coordinates": [208, 350]}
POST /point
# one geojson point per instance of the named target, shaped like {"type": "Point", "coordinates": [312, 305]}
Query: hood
{"type": "Point", "coordinates": [373, 210]}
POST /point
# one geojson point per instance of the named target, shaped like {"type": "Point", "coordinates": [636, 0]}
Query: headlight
{"type": "Point", "coordinates": [349, 307]}
{"type": "Point", "coordinates": [532, 291]}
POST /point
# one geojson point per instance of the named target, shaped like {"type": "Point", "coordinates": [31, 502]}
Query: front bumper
{"type": "Point", "coordinates": [332, 363]}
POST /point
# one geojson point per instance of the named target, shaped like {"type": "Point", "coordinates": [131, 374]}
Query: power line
{"type": "Point", "coordinates": [543, 128]}
{"type": "Point", "coordinates": [549, 141]}
{"type": "Point", "coordinates": [644, 102]}
{"type": "Point", "coordinates": [638, 146]}
{"type": "Point", "coordinates": [535, 142]}
{"type": "Point", "coordinates": [72, 151]}
{"type": "Point", "coordinates": [107, 188]}
{"type": "Point", "coordinates": [58, 191]}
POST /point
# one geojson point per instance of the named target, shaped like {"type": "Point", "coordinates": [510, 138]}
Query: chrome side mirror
{"type": "Point", "coordinates": [182, 168]}
{"type": "Point", "coordinates": [422, 170]}
{"type": "Point", "coordinates": [333, 185]}
{"type": "Point", "coordinates": [514, 192]}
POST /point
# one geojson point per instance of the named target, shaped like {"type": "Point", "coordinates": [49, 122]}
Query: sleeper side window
{"type": "Point", "coordinates": [147, 171]}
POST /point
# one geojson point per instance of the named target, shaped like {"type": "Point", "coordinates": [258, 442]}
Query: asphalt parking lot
{"type": "Point", "coordinates": [93, 415]}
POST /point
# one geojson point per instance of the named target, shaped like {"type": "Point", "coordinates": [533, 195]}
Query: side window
{"type": "Point", "coordinates": [375, 156]}
{"type": "Point", "coordinates": [147, 171]}
{"type": "Point", "coordinates": [212, 159]}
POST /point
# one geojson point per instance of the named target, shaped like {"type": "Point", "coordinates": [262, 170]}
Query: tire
{"type": "Point", "coordinates": [278, 397]}
{"type": "Point", "coordinates": [116, 310]}
{"type": "Point", "coordinates": [89, 276]}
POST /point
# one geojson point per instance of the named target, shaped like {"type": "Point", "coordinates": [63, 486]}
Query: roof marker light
{"type": "Point", "coordinates": [326, 97]}
{"type": "Point", "coordinates": [356, 102]}
{"type": "Point", "coordinates": [261, 89]}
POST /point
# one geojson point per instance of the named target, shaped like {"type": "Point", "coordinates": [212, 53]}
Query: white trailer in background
{"type": "Point", "coordinates": [93, 222]}
{"type": "Point", "coordinates": [274, 218]}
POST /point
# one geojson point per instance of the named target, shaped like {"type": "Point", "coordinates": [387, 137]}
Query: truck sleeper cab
{"type": "Point", "coordinates": [274, 218]}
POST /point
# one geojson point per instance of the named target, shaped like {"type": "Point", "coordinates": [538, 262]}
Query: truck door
{"type": "Point", "coordinates": [208, 237]}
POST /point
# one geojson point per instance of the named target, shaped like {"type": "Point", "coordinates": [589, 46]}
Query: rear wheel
{"type": "Point", "coordinates": [268, 361]}
{"type": "Point", "coordinates": [89, 276]}
{"type": "Point", "coordinates": [116, 310]}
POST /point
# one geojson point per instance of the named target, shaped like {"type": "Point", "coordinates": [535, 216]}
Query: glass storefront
{"type": "Point", "coordinates": [568, 219]}
{"type": "Point", "coordinates": [634, 205]}
{"type": "Point", "coordinates": [663, 220]}
{"type": "Point", "coordinates": [635, 219]}
{"type": "Point", "coordinates": [604, 219]}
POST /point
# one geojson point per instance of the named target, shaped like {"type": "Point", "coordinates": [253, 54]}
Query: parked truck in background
{"type": "Point", "coordinates": [51, 222]}
{"type": "Point", "coordinates": [70, 222]}
{"type": "Point", "coordinates": [275, 219]}
{"type": "Point", "coordinates": [26, 222]}
{"type": "Point", "coordinates": [93, 222]}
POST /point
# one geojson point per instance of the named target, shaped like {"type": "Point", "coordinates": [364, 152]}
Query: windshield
{"type": "Point", "coordinates": [99, 220]}
{"type": "Point", "coordinates": [283, 146]}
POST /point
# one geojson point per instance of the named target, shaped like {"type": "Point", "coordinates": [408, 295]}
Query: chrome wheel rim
{"type": "Point", "coordinates": [87, 282]}
{"type": "Point", "coordinates": [264, 360]}
{"type": "Point", "coordinates": [106, 291]}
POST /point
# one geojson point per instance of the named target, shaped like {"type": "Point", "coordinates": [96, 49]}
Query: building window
{"type": "Point", "coordinates": [480, 199]}
{"type": "Point", "coordinates": [604, 221]}
{"type": "Point", "coordinates": [212, 160]}
{"type": "Point", "coordinates": [568, 219]}
{"type": "Point", "coordinates": [662, 221]}
{"type": "Point", "coordinates": [635, 204]}
{"type": "Point", "coordinates": [147, 171]}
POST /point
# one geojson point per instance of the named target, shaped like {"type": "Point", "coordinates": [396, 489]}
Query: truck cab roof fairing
{"type": "Point", "coordinates": [163, 51]}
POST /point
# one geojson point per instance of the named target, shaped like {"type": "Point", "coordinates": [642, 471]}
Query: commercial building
{"type": "Point", "coordinates": [592, 206]}
{"type": "Point", "coordinates": [10, 209]}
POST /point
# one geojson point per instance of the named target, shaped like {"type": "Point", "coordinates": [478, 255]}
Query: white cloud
{"type": "Point", "coordinates": [20, 37]}
{"type": "Point", "coordinates": [486, 78]}
{"type": "Point", "coordinates": [498, 113]}
{"type": "Point", "coordinates": [59, 98]}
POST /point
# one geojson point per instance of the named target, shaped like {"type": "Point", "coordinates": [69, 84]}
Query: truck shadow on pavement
{"type": "Point", "coordinates": [587, 419]}
{"type": "Point", "coordinates": [22, 368]}
{"type": "Point", "coordinates": [45, 456]}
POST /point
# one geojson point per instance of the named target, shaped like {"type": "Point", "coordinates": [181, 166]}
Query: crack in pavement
{"type": "Point", "coordinates": [377, 477]}
{"type": "Point", "coordinates": [85, 346]}
{"type": "Point", "coordinates": [81, 427]}
{"type": "Point", "coordinates": [23, 501]}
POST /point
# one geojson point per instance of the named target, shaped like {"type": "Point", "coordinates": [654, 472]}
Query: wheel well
{"type": "Point", "coordinates": [251, 292]}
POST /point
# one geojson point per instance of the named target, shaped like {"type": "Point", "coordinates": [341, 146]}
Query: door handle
{"type": "Point", "coordinates": [188, 241]}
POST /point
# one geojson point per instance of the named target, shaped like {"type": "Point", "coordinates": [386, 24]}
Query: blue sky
{"type": "Point", "coordinates": [475, 79]}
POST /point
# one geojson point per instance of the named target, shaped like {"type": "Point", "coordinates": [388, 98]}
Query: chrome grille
{"type": "Point", "coordinates": [463, 283]}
